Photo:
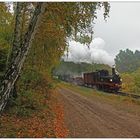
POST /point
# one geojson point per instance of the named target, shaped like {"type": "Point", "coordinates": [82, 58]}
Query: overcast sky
{"type": "Point", "coordinates": [121, 31]}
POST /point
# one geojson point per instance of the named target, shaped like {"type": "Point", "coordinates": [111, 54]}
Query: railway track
{"type": "Point", "coordinates": [121, 93]}
{"type": "Point", "coordinates": [128, 95]}
{"type": "Point", "coordinates": [124, 94]}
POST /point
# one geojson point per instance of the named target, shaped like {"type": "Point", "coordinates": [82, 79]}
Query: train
{"type": "Point", "coordinates": [99, 79]}
{"type": "Point", "coordinates": [102, 80]}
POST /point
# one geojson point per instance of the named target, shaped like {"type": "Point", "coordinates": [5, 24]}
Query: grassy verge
{"type": "Point", "coordinates": [93, 93]}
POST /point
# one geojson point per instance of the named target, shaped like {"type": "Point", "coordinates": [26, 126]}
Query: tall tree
{"type": "Point", "coordinates": [127, 60]}
{"type": "Point", "coordinates": [53, 23]}
{"type": "Point", "coordinates": [13, 72]}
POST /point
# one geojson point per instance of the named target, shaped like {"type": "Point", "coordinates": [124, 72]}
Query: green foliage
{"type": "Point", "coordinates": [128, 82]}
{"type": "Point", "coordinates": [30, 78]}
{"type": "Point", "coordinates": [85, 39]}
{"type": "Point", "coordinates": [127, 60]}
{"type": "Point", "coordinates": [63, 21]}
{"type": "Point", "coordinates": [131, 81]}
{"type": "Point", "coordinates": [6, 24]}
{"type": "Point", "coordinates": [3, 59]}
{"type": "Point", "coordinates": [57, 23]}
{"type": "Point", "coordinates": [136, 75]}
{"type": "Point", "coordinates": [25, 104]}
{"type": "Point", "coordinates": [28, 100]}
{"type": "Point", "coordinates": [75, 17]}
{"type": "Point", "coordinates": [6, 28]}
{"type": "Point", "coordinates": [3, 53]}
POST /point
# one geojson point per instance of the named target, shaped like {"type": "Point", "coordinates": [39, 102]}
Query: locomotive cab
{"type": "Point", "coordinates": [109, 82]}
{"type": "Point", "coordinates": [103, 80]}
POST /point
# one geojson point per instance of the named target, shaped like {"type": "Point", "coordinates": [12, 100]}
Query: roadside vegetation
{"type": "Point", "coordinates": [35, 112]}
{"type": "Point", "coordinates": [131, 82]}
{"type": "Point", "coordinates": [128, 64]}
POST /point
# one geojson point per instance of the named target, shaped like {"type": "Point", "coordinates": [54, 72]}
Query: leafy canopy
{"type": "Point", "coordinates": [127, 60]}
{"type": "Point", "coordinates": [60, 22]}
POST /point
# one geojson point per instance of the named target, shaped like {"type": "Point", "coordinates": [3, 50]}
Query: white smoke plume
{"type": "Point", "coordinates": [94, 54]}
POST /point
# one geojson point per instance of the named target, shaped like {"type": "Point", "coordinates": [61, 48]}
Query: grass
{"type": "Point", "coordinates": [93, 93]}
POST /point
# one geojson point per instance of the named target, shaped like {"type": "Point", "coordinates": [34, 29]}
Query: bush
{"type": "Point", "coordinates": [131, 82]}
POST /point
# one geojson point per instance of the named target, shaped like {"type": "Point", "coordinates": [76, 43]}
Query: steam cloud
{"type": "Point", "coordinates": [94, 54]}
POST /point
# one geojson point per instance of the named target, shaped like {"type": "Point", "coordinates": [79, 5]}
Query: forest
{"type": "Point", "coordinates": [33, 37]}
{"type": "Point", "coordinates": [128, 64]}
{"type": "Point", "coordinates": [46, 30]}
{"type": "Point", "coordinates": [127, 60]}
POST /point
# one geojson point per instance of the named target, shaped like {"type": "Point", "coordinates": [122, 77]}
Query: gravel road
{"type": "Point", "coordinates": [90, 118]}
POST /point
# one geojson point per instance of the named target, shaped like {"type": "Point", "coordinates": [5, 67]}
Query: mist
{"type": "Point", "coordinates": [95, 53]}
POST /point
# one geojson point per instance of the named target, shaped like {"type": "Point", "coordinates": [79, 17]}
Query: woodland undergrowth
{"type": "Point", "coordinates": [35, 113]}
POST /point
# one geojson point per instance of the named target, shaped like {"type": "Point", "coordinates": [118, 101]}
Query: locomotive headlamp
{"type": "Point", "coordinates": [121, 80]}
{"type": "Point", "coordinates": [110, 80]}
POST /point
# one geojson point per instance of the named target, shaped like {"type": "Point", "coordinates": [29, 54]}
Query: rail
{"type": "Point", "coordinates": [129, 95]}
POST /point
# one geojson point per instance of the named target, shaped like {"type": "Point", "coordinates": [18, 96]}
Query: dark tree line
{"type": "Point", "coordinates": [127, 60]}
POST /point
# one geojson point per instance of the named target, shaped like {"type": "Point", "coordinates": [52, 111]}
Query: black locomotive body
{"type": "Point", "coordinates": [102, 80]}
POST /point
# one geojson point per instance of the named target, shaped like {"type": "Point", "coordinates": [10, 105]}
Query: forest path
{"type": "Point", "coordinates": [89, 117]}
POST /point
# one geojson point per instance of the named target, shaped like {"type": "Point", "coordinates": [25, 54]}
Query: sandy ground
{"type": "Point", "coordinates": [90, 118]}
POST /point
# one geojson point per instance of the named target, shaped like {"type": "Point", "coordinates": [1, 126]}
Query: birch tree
{"type": "Point", "coordinates": [19, 53]}
{"type": "Point", "coordinates": [49, 27]}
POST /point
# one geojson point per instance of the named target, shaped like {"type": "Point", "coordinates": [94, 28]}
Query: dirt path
{"type": "Point", "coordinates": [85, 117]}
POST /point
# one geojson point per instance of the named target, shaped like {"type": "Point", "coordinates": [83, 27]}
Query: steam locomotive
{"type": "Point", "coordinates": [102, 80]}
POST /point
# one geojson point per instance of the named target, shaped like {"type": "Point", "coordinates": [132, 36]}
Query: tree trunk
{"type": "Point", "coordinates": [16, 40]}
{"type": "Point", "coordinates": [17, 33]}
{"type": "Point", "coordinates": [14, 69]}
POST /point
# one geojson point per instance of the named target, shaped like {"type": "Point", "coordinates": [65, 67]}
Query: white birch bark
{"type": "Point", "coordinates": [14, 69]}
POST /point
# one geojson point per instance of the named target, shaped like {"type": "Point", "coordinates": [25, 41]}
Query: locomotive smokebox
{"type": "Point", "coordinates": [113, 70]}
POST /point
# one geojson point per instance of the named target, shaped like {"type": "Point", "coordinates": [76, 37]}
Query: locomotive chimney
{"type": "Point", "coordinates": [113, 70]}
